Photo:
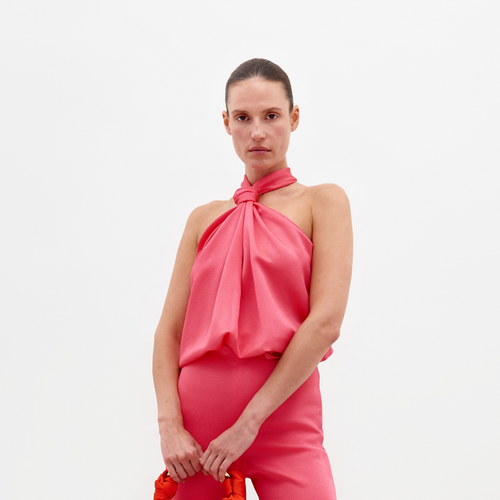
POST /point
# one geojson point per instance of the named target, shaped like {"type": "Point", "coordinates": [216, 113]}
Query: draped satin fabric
{"type": "Point", "coordinates": [250, 279]}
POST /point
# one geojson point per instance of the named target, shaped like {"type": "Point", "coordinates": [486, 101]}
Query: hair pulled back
{"type": "Point", "coordinates": [260, 68]}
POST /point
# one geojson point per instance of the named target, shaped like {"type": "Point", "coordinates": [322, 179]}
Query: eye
{"type": "Point", "coordinates": [272, 116]}
{"type": "Point", "coordinates": [241, 118]}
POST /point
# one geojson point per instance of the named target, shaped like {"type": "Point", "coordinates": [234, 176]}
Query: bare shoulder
{"type": "Point", "coordinates": [328, 190]}
{"type": "Point", "coordinates": [202, 216]}
{"type": "Point", "coordinates": [331, 213]}
{"type": "Point", "coordinates": [327, 196]}
{"type": "Point", "coordinates": [331, 219]}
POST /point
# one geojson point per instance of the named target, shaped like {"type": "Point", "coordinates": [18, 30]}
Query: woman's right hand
{"type": "Point", "coordinates": [181, 453]}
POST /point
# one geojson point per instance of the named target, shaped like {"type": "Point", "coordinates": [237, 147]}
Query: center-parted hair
{"type": "Point", "coordinates": [260, 68]}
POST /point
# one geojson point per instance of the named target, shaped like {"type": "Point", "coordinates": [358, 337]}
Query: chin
{"type": "Point", "coordinates": [260, 164]}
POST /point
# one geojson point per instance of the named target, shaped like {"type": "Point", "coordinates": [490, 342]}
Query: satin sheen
{"type": "Point", "coordinates": [250, 279]}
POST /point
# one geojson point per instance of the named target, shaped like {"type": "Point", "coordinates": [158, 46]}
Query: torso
{"type": "Point", "coordinates": [293, 201]}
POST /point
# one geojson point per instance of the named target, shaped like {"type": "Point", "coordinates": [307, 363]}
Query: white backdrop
{"type": "Point", "coordinates": [111, 133]}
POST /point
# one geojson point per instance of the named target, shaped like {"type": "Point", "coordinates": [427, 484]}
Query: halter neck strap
{"type": "Point", "coordinates": [275, 180]}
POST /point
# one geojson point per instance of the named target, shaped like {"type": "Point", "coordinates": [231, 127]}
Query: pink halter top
{"type": "Point", "coordinates": [250, 279]}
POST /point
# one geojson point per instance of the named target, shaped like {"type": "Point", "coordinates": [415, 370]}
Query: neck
{"type": "Point", "coordinates": [255, 174]}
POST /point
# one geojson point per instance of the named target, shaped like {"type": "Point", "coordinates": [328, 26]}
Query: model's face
{"type": "Point", "coordinates": [258, 119]}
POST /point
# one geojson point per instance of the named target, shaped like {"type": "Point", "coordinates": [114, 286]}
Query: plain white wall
{"type": "Point", "coordinates": [111, 133]}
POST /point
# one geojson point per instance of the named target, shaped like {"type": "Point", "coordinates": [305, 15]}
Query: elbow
{"type": "Point", "coordinates": [331, 333]}
{"type": "Point", "coordinates": [325, 321]}
{"type": "Point", "coordinates": [335, 334]}
{"type": "Point", "coordinates": [328, 330]}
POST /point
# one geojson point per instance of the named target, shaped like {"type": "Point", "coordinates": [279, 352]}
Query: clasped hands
{"type": "Point", "coordinates": [184, 457]}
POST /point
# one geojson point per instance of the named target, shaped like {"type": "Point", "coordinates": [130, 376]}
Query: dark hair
{"type": "Point", "coordinates": [260, 68]}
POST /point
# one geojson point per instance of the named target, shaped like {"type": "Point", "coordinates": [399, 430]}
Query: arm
{"type": "Point", "coordinates": [180, 451]}
{"type": "Point", "coordinates": [330, 280]}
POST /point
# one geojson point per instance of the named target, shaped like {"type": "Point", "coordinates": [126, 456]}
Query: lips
{"type": "Point", "coordinates": [259, 149]}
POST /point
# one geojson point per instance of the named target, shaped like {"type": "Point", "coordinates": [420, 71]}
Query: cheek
{"type": "Point", "coordinates": [284, 137]}
{"type": "Point", "coordinates": [238, 137]}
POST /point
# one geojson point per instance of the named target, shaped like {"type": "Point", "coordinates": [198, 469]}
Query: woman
{"type": "Point", "coordinates": [256, 299]}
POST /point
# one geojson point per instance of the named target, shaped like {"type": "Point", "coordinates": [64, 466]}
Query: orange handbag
{"type": "Point", "coordinates": [234, 484]}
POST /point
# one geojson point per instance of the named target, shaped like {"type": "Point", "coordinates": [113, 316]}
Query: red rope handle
{"type": "Point", "coordinates": [234, 484]}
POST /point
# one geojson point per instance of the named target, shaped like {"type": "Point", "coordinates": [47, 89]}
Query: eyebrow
{"type": "Point", "coordinates": [238, 111]}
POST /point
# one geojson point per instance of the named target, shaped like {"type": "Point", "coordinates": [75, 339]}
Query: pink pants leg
{"type": "Point", "coordinates": [287, 460]}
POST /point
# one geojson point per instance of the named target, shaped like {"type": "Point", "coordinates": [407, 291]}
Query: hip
{"type": "Point", "coordinates": [215, 389]}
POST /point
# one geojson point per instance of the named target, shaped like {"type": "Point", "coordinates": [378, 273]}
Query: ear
{"type": "Point", "coordinates": [294, 117]}
{"type": "Point", "coordinates": [225, 119]}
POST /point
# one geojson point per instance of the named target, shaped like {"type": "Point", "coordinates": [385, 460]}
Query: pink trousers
{"type": "Point", "coordinates": [287, 460]}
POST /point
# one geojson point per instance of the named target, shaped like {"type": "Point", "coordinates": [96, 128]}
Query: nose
{"type": "Point", "coordinates": [257, 130]}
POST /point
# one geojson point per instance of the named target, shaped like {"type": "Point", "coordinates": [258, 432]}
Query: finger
{"type": "Point", "coordinates": [195, 465]}
{"type": "Point", "coordinates": [199, 449]}
{"type": "Point", "coordinates": [204, 457]}
{"type": "Point", "coordinates": [208, 462]}
{"type": "Point", "coordinates": [189, 466]}
{"type": "Point", "coordinates": [214, 468]}
{"type": "Point", "coordinates": [200, 454]}
{"type": "Point", "coordinates": [186, 462]}
{"type": "Point", "coordinates": [223, 468]}
{"type": "Point", "coordinates": [172, 472]}
{"type": "Point", "coordinates": [201, 467]}
{"type": "Point", "coordinates": [196, 458]}
{"type": "Point", "coordinates": [181, 472]}
{"type": "Point", "coordinates": [195, 462]}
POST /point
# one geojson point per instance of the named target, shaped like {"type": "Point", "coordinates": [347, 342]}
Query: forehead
{"type": "Point", "coordinates": [256, 93]}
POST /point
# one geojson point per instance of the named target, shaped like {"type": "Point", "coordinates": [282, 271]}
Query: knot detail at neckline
{"type": "Point", "coordinates": [275, 180]}
{"type": "Point", "coordinates": [246, 194]}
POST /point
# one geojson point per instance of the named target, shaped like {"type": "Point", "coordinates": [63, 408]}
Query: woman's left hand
{"type": "Point", "coordinates": [227, 448]}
